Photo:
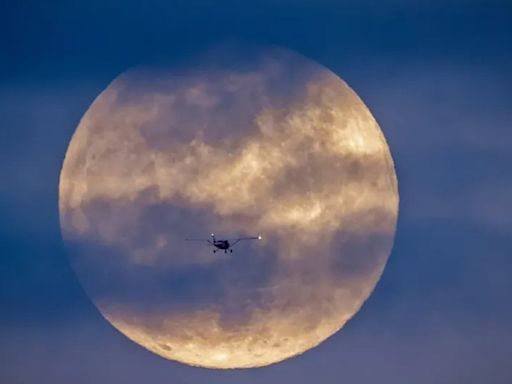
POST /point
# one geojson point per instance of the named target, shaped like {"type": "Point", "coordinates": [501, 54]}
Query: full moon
{"type": "Point", "coordinates": [269, 144]}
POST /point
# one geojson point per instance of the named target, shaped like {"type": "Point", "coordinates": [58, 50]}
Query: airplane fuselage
{"type": "Point", "coordinates": [221, 244]}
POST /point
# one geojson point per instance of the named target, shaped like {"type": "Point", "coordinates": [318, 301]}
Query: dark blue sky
{"type": "Point", "coordinates": [438, 77]}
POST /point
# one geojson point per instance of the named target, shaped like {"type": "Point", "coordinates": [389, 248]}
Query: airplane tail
{"type": "Point", "coordinates": [213, 238]}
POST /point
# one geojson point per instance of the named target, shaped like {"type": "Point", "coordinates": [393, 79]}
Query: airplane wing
{"type": "Point", "coordinates": [238, 239]}
{"type": "Point", "coordinates": [201, 240]}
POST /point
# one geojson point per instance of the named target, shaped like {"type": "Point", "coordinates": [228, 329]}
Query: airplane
{"type": "Point", "coordinates": [225, 245]}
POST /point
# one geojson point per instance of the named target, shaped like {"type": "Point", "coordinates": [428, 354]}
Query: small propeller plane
{"type": "Point", "coordinates": [224, 244]}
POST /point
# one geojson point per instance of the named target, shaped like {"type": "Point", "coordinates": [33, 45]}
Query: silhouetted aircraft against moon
{"type": "Point", "coordinates": [224, 244]}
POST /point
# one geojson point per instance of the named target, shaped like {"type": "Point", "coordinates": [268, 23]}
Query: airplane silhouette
{"type": "Point", "coordinates": [224, 244]}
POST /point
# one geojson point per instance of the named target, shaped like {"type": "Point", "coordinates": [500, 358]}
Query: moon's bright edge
{"type": "Point", "coordinates": [279, 147]}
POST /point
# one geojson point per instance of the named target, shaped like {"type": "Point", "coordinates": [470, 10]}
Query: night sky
{"type": "Point", "coordinates": [437, 75]}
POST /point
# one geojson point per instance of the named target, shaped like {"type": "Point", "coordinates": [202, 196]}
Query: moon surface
{"type": "Point", "coordinates": [270, 144]}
